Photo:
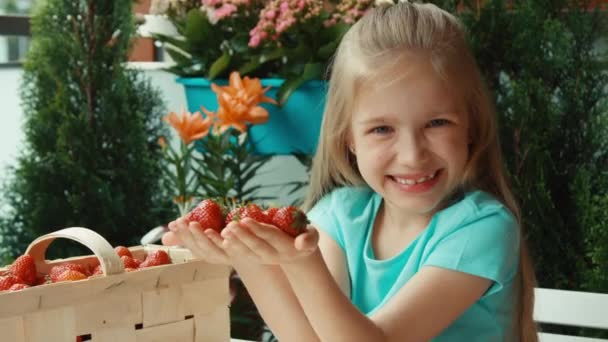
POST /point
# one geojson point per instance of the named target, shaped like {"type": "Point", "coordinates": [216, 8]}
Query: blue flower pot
{"type": "Point", "coordinates": [292, 128]}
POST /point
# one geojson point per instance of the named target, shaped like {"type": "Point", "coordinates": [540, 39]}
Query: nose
{"type": "Point", "coordinates": [411, 149]}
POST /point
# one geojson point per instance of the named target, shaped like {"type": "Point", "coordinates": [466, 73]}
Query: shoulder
{"type": "Point", "coordinates": [478, 216]}
{"type": "Point", "coordinates": [344, 207]}
{"type": "Point", "coordinates": [475, 206]}
{"type": "Point", "coordinates": [476, 235]}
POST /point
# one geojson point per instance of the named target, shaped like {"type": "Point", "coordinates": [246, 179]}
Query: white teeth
{"type": "Point", "coordinates": [418, 181]}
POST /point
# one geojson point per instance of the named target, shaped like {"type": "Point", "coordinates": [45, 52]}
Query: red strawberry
{"type": "Point", "coordinates": [290, 220]}
{"type": "Point", "coordinates": [129, 262]}
{"type": "Point", "coordinates": [57, 270]}
{"type": "Point", "coordinates": [92, 266]}
{"type": "Point", "coordinates": [254, 212]}
{"type": "Point", "coordinates": [234, 214]}
{"type": "Point", "coordinates": [122, 250]}
{"type": "Point", "coordinates": [270, 212]}
{"type": "Point", "coordinates": [70, 275]}
{"type": "Point", "coordinates": [18, 286]}
{"type": "Point", "coordinates": [6, 281]}
{"type": "Point", "coordinates": [24, 268]}
{"type": "Point", "coordinates": [156, 258]}
{"type": "Point", "coordinates": [97, 270]}
{"type": "Point", "coordinates": [208, 214]}
{"type": "Point", "coordinates": [44, 279]}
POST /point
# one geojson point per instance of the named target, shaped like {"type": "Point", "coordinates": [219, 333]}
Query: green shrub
{"type": "Point", "coordinates": [90, 156]}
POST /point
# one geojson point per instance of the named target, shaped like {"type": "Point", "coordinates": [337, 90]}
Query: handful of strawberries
{"type": "Point", "coordinates": [211, 214]}
{"type": "Point", "coordinates": [23, 273]}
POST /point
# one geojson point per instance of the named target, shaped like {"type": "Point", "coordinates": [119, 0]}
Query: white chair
{"type": "Point", "coordinates": [572, 308]}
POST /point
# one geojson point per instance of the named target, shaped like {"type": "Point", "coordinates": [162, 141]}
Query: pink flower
{"type": "Point", "coordinates": [225, 11]}
{"type": "Point", "coordinates": [279, 16]}
{"type": "Point", "coordinates": [283, 25]}
{"type": "Point", "coordinates": [254, 41]}
{"type": "Point", "coordinates": [284, 6]}
{"type": "Point", "coordinates": [210, 3]}
{"type": "Point", "coordinates": [271, 14]}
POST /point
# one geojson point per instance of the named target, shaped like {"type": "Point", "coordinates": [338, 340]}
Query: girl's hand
{"type": "Point", "coordinates": [251, 241]}
{"type": "Point", "coordinates": [204, 245]}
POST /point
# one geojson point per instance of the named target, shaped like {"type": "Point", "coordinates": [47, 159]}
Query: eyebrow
{"type": "Point", "coordinates": [450, 112]}
{"type": "Point", "coordinates": [375, 120]}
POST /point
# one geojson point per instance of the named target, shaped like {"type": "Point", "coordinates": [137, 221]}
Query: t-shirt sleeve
{"type": "Point", "coordinates": [486, 247]}
{"type": "Point", "coordinates": [322, 216]}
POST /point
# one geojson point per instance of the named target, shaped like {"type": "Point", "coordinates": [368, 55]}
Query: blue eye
{"type": "Point", "coordinates": [438, 123]}
{"type": "Point", "coordinates": [381, 130]}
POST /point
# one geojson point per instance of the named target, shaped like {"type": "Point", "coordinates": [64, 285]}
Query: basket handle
{"type": "Point", "coordinates": [108, 259]}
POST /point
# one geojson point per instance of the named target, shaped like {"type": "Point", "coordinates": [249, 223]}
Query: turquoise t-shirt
{"type": "Point", "coordinates": [475, 235]}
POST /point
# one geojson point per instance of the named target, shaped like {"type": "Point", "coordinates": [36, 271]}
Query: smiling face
{"type": "Point", "coordinates": [410, 139]}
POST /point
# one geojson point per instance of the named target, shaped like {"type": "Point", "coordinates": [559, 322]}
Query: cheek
{"type": "Point", "coordinates": [452, 146]}
{"type": "Point", "coordinates": [457, 147]}
{"type": "Point", "coordinates": [372, 164]}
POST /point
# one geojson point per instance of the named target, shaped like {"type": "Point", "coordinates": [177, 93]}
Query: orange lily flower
{"type": "Point", "coordinates": [189, 126]}
{"type": "Point", "coordinates": [162, 142]}
{"type": "Point", "coordinates": [238, 103]}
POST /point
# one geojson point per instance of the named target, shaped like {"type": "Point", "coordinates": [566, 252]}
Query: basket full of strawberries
{"type": "Point", "coordinates": [127, 294]}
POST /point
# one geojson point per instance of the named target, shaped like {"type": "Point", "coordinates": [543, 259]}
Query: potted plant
{"type": "Point", "coordinates": [286, 43]}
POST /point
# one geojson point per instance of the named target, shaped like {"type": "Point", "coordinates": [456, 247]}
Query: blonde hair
{"type": "Point", "coordinates": [380, 41]}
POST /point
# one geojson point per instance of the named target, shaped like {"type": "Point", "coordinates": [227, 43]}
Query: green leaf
{"type": "Point", "coordinates": [178, 56]}
{"type": "Point", "coordinates": [301, 52]}
{"type": "Point", "coordinates": [312, 71]}
{"type": "Point", "coordinates": [335, 32]}
{"type": "Point", "coordinates": [327, 50]}
{"type": "Point", "coordinates": [197, 28]}
{"type": "Point", "coordinates": [172, 41]}
{"type": "Point", "coordinates": [272, 55]}
{"type": "Point", "coordinates": [249, 67]}
{"type": "Point", "coordinates": [219, 66]}
{"type": "Point", "coordinates": [256, 61]}
{"type": "Point", "coordinates": [240, 43]}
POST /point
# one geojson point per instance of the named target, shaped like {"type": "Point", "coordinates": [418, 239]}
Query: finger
{"type": "Point", "coordinates": [214, 237]}
{"type": "Point", "coordinates": [275, 237]}
{"type": "Point", "coordinates": [180, 228]}
{"type": "Point", "coordinates": [235, 248]}
{"type": "Point", "coordinates": [308, 240]}
{"type": "Point", "coordinates": [254, 243]}
{"type": "Point", "coordinates": [172, 225]}
{"type": "Point", "coordinates": [170, 239]}
{"type": "Point", "coordinates": [177, 224]}
{"type": "Point", "coordinates": [205, 244]}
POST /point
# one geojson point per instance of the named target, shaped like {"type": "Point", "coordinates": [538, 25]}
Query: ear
{"type": "Point", "coordinates": [350, 143]}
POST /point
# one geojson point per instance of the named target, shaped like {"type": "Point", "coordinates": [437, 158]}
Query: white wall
{"type": "Point", "coordinates": [279, 170]}
{"type": "Point", "coordinates": [11, 116]}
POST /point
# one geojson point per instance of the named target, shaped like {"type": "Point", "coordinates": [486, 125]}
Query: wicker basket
{"type": "Point", "coordinates": [184, 301]}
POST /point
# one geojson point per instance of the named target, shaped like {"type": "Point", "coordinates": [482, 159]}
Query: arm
{"type": "Point", "coordinates": [416, 313]}
{"type": "Point", "coordinates": [276, 301]}
{"type": "Point", "coordinates": [266, 284]}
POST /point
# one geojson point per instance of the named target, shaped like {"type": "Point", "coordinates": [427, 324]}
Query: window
{"type": "Point", "coordinates": [15, 33]}
{"type": "Point", "coordinates": [14, 30]}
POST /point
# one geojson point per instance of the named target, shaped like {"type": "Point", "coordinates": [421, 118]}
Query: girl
{"type": "Point", "coordinates": [415, 234]}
